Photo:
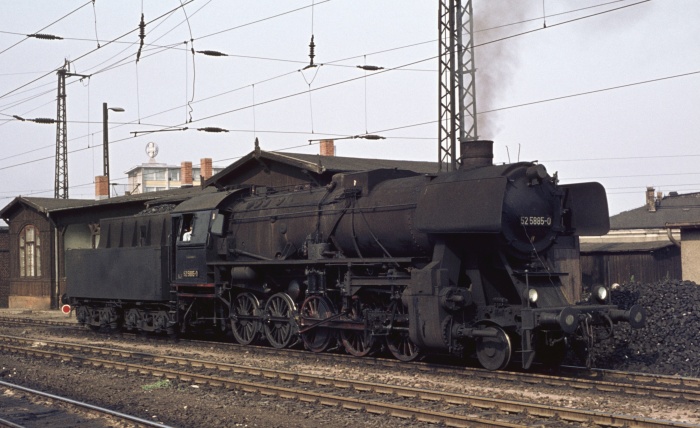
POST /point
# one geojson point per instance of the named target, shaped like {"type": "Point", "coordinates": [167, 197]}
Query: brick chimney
{"type": "Point", "coordinates": [101, 187]}
{"type": "Point", "coordinates": [651, 203]}
{"type": "Point", "coordinates": [327, 148]}
{"type": "Point", "coordinates": [186, 174]}
{"type": "Point", "coordinates": [205, 168]}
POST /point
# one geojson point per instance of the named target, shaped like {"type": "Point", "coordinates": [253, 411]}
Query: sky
{"type": "Point", "coordinates": [595, 90]}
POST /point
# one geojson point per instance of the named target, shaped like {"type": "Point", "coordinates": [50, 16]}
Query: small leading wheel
{"type": "Point", "coordinates": [245, 318]}
{"type": "Point", "coordinates": [280, 326]}
{"type": "Point", "coordinates": [494, 352]}
{"type": "Point", "coordinates": [314, 310]}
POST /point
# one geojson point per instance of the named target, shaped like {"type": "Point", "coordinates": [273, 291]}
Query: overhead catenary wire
{"type": "Point", "coordinates": [44, 28]}
{"type": "Point", "coordinates": [88, 53]}
{"type": "Point", "coordinates": [254, 104]}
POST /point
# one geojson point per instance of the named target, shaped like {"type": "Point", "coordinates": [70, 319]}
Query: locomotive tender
{"type": "Point", "coordinates": [457, 262]}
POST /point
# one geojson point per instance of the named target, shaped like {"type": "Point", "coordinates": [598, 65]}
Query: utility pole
{"type": "Point", "coordinates": [61, 180]}
{"type": "Point", "coordinates": [105, 142]}
{"type": "Point", "coordinates": [456, 63]}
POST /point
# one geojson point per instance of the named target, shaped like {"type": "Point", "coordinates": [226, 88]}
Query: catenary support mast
{"type": "Point", "coordinates": [456, 87]}
{"type": "Point", "coordinates": [61, 179]}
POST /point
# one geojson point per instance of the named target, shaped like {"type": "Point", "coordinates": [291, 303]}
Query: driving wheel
{"type": "Point", "coordinates": [280, 326]}
{"type": "Point", "coordinates": [314, 310]}
{"type": "Point", "coordinates": [245, 318]}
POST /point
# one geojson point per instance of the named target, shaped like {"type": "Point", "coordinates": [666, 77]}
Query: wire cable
{"type": "Point", "coordinates": [39, 31]}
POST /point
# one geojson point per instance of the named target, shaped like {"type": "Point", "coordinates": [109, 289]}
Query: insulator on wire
{"type": "Point", "coordinates": [212, 53]}
{"type": "Point", "coordinates": [142, 29]}
{"type": "Point", "coordinates": [370, 137]}
{"type": "Point", "coordinates": [43, 120]}
{"type": "Point", "coordinates": [212, 129]}
{"type": "Point", "coordinates": [142, 36]}
{"type": "Point", "coordinates": [312, 50]}
{"type": "Point", "coordinates": [370, 67]}
{"type": "Point", "coordinates": [18, 118]}
{"type": "Point", "coordinates": [45, 36]}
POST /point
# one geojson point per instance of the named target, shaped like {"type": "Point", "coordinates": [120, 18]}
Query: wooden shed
{"type": "Point", "coordinates": [609, 263]}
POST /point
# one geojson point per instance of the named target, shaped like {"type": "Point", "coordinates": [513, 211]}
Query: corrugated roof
{"type": "Point", "coordinates": [677, 209]}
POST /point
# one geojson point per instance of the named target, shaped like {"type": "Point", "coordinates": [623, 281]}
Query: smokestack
{"type": "Point", "coordinates": [651, 204]}
{"type": "Point", "coordinates": [186, 174]}
{"type": "Point", "coordinates": [327, 148]}
{"type": "Point", "coordinates": [205, 168]}
{"type": "Point", "coordinates": [101, 187]}
{"type": "Point", "coordinates": [475, 153]}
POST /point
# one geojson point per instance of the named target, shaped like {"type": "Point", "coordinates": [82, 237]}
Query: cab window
{"type": "Point", "coordinates": [193, 228]}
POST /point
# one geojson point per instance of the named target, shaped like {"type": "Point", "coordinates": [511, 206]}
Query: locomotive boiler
{"type": "Point", "coordinates": [453, 263]}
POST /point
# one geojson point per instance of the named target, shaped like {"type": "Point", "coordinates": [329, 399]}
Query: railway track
{"type": "Point", "coordinates": [38, 408]}
{"type": "Point", "coordinates": [641, 384]}
{"type": "Point", "coordinates": [450, 409]}
{"type": "Point", "coordinates": [14, 321]}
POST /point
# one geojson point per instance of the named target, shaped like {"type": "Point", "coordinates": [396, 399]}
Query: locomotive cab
{"type": "Point", "coordinates": [198, 229]}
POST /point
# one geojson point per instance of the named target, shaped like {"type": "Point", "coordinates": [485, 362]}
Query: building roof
{"type": "Point", "coordinates": [52, 205]}
{"type": "Point", "coordinates": [318, 164]}
{"type": "Point", "coordinates": [624, 247]}
{"type": "Point", "coordinates": [671, 211]}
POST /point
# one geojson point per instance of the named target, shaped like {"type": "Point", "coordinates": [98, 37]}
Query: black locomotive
{"type": "Point", "coordinates": [457, 262]}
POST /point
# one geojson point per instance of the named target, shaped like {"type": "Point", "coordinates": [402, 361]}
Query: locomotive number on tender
{"type": "Point", "coordinates": [190, 274]}
{"type": "Point", "coordinates": [535, 221]}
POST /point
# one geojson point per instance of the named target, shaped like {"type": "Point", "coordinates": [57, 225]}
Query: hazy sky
{"type": "Point", "coordinates": [598, 95]}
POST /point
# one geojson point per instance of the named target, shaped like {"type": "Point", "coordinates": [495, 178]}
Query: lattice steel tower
{"type": "Point", "coordinates": [61, 180]}
{"type": "Point", "coordinates": [456, 88]}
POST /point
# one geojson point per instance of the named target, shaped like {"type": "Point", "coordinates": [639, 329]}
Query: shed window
{"type": "Point", "coordinates": [29, 252]}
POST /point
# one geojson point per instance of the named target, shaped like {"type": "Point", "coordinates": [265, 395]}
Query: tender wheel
{"type": "Point", "coordinates": [313, 310]}
{"type": "Point", "coordinates": [399, 343]}
{"type": "Point", "coordinates": [280, 326]}
{"type": "Point", "coordinates": [132, 319]}
{"type": "Point", "coordinates": [245, 318]}
{"type": "Point", "coordinates": [494, 352]}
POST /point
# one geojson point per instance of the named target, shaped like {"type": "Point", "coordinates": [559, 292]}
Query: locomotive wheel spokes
{"type": "Point", "coordinates": [359, 343]}
{"type": "Point", "coordinates": [245, 318]}
{"type": "Point", "coordinates": [313, 310]}
{"type": "Point", "coordinates": [399, 343]}
{"type": "Point", "coordinates": [401, 346]}
{"type": "Point", "coordinates": [494, 352]}
{"type": "Point", "coordinates": [280, 326]}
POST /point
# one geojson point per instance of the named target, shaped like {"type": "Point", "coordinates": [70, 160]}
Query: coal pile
{"type": "Point", "coordinates": [670, 342]}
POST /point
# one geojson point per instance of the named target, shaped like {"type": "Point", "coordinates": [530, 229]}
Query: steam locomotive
{"type": "Point", "coordinates": [460, 262]}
